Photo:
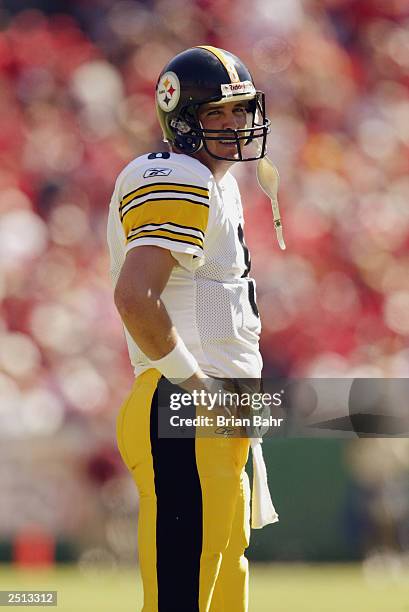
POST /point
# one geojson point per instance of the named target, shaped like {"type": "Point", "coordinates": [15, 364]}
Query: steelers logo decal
{"type": "Point", "coordinates": [168, 91]}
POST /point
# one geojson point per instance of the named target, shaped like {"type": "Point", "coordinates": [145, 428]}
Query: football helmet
{"type": "Point", "coordinates": [203, 75]}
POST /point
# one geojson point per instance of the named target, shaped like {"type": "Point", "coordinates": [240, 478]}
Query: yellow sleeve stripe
{"type": "Point", "coordinates": [164, 234]}
{"type": "Point", "coordinates": [175, 225]}
{"type": "Point", "coordinates": [158, 187]}
{"type": "Point", "coordinates": [167, 202]}
{"type": "Point", "coordinates": [167, 211]}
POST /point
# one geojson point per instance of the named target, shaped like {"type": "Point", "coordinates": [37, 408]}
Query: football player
{"type": "Point", "coordinates": [181, 267]}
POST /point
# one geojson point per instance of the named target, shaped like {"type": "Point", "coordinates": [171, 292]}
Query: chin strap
{"type": "Point", "coordinates": [268, 179]}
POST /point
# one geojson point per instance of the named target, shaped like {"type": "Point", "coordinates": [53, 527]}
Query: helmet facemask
{"type": "Point", "coordinates": [190, 136]}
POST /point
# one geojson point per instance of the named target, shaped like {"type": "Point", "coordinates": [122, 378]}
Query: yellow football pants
{"type": "Point", "coordinates": [194, 517]}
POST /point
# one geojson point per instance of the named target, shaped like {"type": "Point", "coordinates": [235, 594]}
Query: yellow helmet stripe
{"type": "Point", "coordinates": [227, 63]}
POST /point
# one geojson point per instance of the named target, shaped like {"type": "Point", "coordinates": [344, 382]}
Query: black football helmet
{"type": "Point", "coordinates": [202, 75]}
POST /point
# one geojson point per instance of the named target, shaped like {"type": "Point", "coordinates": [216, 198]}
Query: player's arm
{"type": "Point", "coordinates": [143, 278]}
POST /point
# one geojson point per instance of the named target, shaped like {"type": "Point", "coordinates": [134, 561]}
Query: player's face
{"type": "Point", "coordinates": [228, 116]}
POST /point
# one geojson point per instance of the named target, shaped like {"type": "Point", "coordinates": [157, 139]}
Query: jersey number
{"type": "Point", "coordinates": [159, 155]}
{"type": "Point", "coordinates": [247, 262]}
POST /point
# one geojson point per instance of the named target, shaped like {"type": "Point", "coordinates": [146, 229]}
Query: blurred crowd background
{"type": "Point", "coordinates": [77, 82]}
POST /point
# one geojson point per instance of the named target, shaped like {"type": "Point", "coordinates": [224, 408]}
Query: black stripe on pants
{"type": "Point", "coordinates": [179, 530]}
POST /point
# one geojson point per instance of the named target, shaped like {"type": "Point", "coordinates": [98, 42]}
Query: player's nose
{"type": "Point", "coordinates": [231, 121]}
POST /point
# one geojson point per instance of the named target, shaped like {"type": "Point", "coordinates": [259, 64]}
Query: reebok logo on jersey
{"type": "Point", "coordinates": [157, 172]}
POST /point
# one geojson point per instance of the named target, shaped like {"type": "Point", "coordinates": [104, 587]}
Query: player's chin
{"type": "Point", "coordinates": [227, 149]}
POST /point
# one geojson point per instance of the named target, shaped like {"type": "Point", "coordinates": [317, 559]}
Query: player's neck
{"type": "Point", "coordinates": [217, 167]}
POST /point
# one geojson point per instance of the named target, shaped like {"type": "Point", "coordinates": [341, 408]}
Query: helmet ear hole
{"type": "Point", "coordinates": [188, 143]}
{"type": "Point", "coordinates": [185, 137]}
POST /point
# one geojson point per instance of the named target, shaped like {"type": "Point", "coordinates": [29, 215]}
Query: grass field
{"type": "Point", "coordinates": [274, 588]}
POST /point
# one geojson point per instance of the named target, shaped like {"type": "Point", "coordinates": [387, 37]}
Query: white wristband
{"type": "Point", "coordinates": [178, 365]}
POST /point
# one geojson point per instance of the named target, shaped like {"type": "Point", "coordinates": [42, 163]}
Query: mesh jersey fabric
{"type": "Point", "coordinates": [174, 202]}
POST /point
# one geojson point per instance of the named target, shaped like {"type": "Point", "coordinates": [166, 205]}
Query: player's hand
{"type": "Point", "coordinates": [219, 402]}
{"type": "Point", "coordinates": [250, 390]}
{"type": "Point", "coordinates": [214, 388]}
{"type": "Point", "coordinates": [220, 391]}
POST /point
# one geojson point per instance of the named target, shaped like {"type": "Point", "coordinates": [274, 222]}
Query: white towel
{"type": "Point", "coordinates": [262, 509]}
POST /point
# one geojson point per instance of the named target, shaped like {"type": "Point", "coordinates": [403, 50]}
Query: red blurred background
{"type": "Point", "coordinates": [76, 104]}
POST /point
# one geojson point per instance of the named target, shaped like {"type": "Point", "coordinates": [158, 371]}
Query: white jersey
{"type": "Point", "coordinates": [173, 201]}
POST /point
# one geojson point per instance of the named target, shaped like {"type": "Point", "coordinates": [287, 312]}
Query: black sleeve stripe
{"type": "Point", "coordinates": [142, 195]}
{"type": "Point", "coordinates": [163, 238]}
{"type": "Point", "coordinates": [166, 185]}
{"type": "Point", "coordinates": [188, 227]}
{"type": "Point", "coordinates": [168, 232]}
{"type": "Point", "coordinates": [163, 200]}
